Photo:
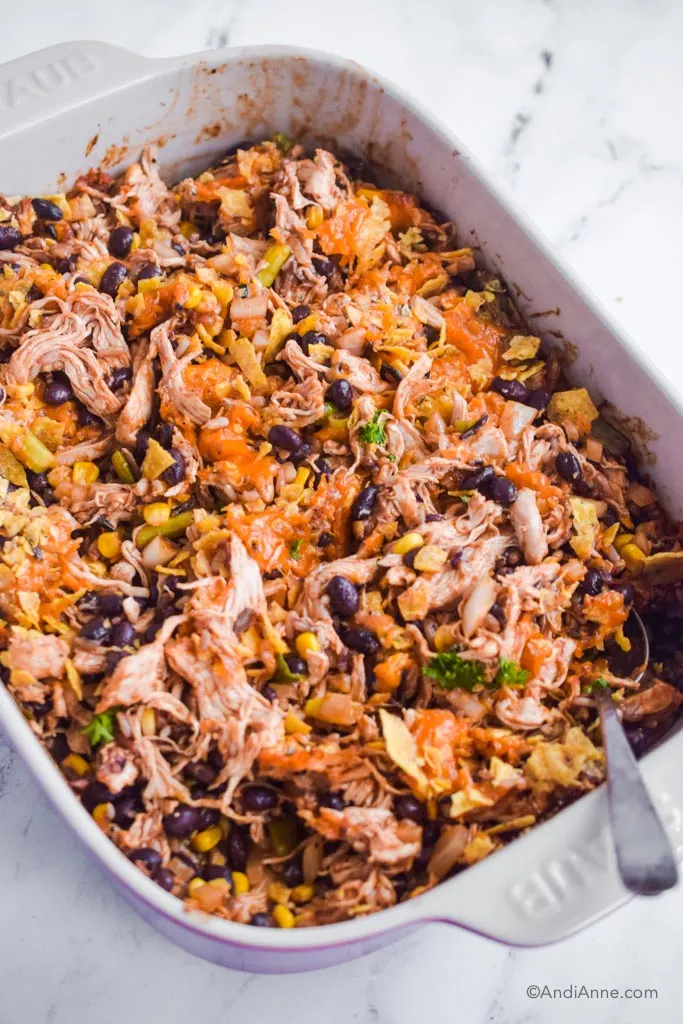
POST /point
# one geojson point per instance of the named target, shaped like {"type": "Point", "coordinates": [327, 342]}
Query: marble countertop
{"type": "Point", "coordinates": [574, 106]}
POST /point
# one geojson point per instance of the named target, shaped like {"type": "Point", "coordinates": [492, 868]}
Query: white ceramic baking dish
{"type": "Point", "coordinates": [75, 105]}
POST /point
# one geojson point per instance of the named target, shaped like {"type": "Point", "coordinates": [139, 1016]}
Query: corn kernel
{"type": "Point", "coordinates": [76, 763]}
{"type": "Point", "coordinates": [240, 883]}
{"type": "Point", "coordinates": [224, 826]}
{"type": "Point", "coordinates": [109, 545]}
{"type": "Point", "coordinates": [634, 558]}
{"type": "Point", "coordinates": [306, 642]}
{"type": "Point", "coordinates": [187, 228]}
{"type": "Point", "coordinates": [135, 244]}
{"type": "Point", "coordinates": [302, 893]}
{"type": "Point", "coordinates": [408, 542]}
{"type": "Point", "coordinates": [622, 540]}
{"type": "Point", "coordinates": [278, 892]}
{"type": "Point", "coordinates": [157, 513]}
{"type": "Point", "coordinates": [204, 841]}
{"type": "Point", "coordinates": [103, 814]}
{"type": "Point", "coordinates": [293, 724]}
{"type": "Point", "coordinates": [194, 884]}
{"type": "Point", "coordinates": [430, 558]}
{"type": "Point", "coordinates": [85, 473]}
{"type": "Point", "coordinates": [443, 638]}
{"type": "Point", "coordinates": [314, 217]}
{"type": "Point", "coordinates": [220, 883]}
{"type": "Point", "coordinates": [194, 298]}
{"type": "Point", "coordinates": [149, 285]}
{"type": "Point", "coordinates": [284, 918]}
{"type": "Point", "coordinates": [148, 722]}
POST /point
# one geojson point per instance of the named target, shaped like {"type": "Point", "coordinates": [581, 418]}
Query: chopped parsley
{"type": "Point", "coordinates": [601, 684]}
{"type": "Point", "coordinates": [282, 141]}
{"type": "Point", "coordinates": [510, 674]}
{"type": "Point", "coordinates": [295, 549]}
{"type": "Point", "coordinates": [452, 672]}
{"type": "Point", "coordinates": [100, 728]}
{"type": "Point", "coordinates": [373, 432]}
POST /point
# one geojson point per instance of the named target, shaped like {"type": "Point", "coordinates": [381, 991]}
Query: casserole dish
{"type": "Point", "coordinates": [561, 876]}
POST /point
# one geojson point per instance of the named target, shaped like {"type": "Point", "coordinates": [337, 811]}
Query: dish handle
{"type": "Point", "coordinates": [560, 876]}
{"type": "Point", "coordinates": [43, 84]}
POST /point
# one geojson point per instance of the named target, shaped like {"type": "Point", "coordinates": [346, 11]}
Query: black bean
{"type": "Point", "coordinates": [58, 391]}
{"type": "Point", "coordinates": [113, 658]}
{"type": "Point", "coordinates": [46, 210]}
{"type": "Point", "coordinates": [471, 431]}
{"type": "Point", "coordinates": [120, 241]}
{"type": "Point", "coordinates": [390, 374]}
{"type": "Point", "coordinates": [182, 821]}
{"type": "Point", "coordinates": [146, 271]}
{"type": "Point", "coordinates": [361, 640]}
{"type": "Point", "coordinates": [513, 557]}
{"type": "Point", "coordinates": [332, 799]}
{"type": "Point", "coordinates": [568, 466]}
{"type": "Point", "coordinates": [502, 490]}
{"type": "Point", "coordinates": [325, 539]}
{"type": "Point", "coordinates": [238, 848]}
{"type": "Point", "coordinates": [67, 265]}
{"type": "Point", "coordinates": [409, 557]}
{"type": "Point", "coordinates": [626, 589]}
{"type": "Point", "coordinates": [140, 447]}
{"type": "Point", "coordinates": [291, 873]}
{"type": "Point", "coordinates": [259, 799]}
{"type": "Point", "coordinates": [165, 435]}
{"type": "Point", "coordinates": [432, 334]}
{"type": "Point", "coordinates": [408, 807]}
{"type": "Point", "coordinates": [262, 920]}
{"type": "Point", "coordinates": [109, 604]}
{"type": "Point", "coordinates": [513, 390]}
{"type": "Point", "coordinates": [498, 613]}
{"type": "Point", "coordinates": [270, 693]}
{"type": "Point", "coordinates": [344, 598]}
{"type": "Point", "coordinates": [200, 772]}
{"type": "Point", "coordinates": [329, 267]}
{"type": "Point", "coordinates": [296, 665]}
{"type": "Point", "coordinates": [151, 859]}
{"type": "Point", "coordinates": [592, 583]}
{"type": "Point", "coordinates": [273, 574]}
{"type": "Point", "coordinates": [478, 480]}
{"type": "Point", "coordinates": [125, 810]}
{"type": "Point", "coordinates": [175, 473]}
{"type": "Point", "coordinates": [9, 237]}
{"type": "Point", "coordinates": [208, 817]}
{"type": "Point", "coordinates": [164, 878]}
{"type": "Point", "coordinates": [121, 375]}
{"type": "Point", "coordinates": [538, 399]}
{"type": "Point", "coordinates": [217, 871]}
{"type": "Point", "coordinates": [364, 504]}
{"type": "Point", "coordinates": [340, 393]}
{"type": "Point", "coordinates": [312, 338]}
{"type": "Point", "coordinates": [300, 313]}
{"type": "Point", "coordinates": [38, 482]}
{"type": "Point", "coordinates": [95, 793]}
{"type": "Point", "coordinates": [296, 458]}
{"type": "Point", "coordinates": [87, 418]}
{"type": "Point", "coordinates": [97, 631]}
{"type": "Point", "coordinates": [123, 634]}
{"type": "Point", "coordinates": [456, 558]}
{"type": "Point", "coordinates": [113, 278]}
{"type": "Point", "coordinates": [278, 369]}
{"type": "Point", "coordinates": [285, 438]}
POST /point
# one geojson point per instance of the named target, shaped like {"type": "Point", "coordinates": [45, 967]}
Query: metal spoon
{"type": "Point", "coordinates": [644, 856]}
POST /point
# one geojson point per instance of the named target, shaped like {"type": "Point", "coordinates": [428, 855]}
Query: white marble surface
{"type": "Point", "coordinates": [575, 106]}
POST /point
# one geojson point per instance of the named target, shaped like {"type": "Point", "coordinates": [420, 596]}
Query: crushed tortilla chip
{"type": "Point", "coordinates": [585, 517]}
{"type": "Point", "coordinates": [562, 763]}
{"type": "Point", "coordinates": [575, 407]}
{"type": "Point", "coordinates": [244, 354]}
{"type": "Point", "coordinates": [402, 748]}
{"type": "Point", "coordinates": [521, 348]}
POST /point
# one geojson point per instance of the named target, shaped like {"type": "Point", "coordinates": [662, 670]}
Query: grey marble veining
{"type": "Point", "coordinates": [574, 105]}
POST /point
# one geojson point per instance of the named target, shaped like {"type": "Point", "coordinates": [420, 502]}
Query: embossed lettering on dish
{"type": "Point", "coordinates": [47, 78]}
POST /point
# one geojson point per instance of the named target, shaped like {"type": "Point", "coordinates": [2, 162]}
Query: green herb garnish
{"type": "Point", "coordinates": [452, 672]}
{"type": "Point", "coordinates": [373, 432]}
{"type": "Point", "coordinates": [282, 141]}
{"type": "Point", "coordinates": [100, 728]}
{"type": "Point", "coordinates": [510, 674]}
{"type": "Point", "coordinates": [295, 549]}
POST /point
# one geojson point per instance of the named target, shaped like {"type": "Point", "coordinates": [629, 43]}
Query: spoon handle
{"type": "Point", "coordinates": [646, 861]}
